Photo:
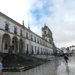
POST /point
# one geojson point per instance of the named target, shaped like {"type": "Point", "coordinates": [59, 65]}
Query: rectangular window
{"type": "Point", "coordinates": [27, 35]}
{"type": "Point", "coordinates": [38, 51]}
{"type": "Point", "coordinates": [45, 32]}
{"type": "Point", "coordinates": [20, 32]}
{"type": "Point", "coordinates": [27, 46]}
{"type": "Point", "coordinates": [32, 47]}
{"type": "Point", "coordinates": [27, 51]}
{"type": "Point", "coordinates": [35, 39]}
{"type": "Point", "coordinates": [15, 30]}
{"type": "Point", "coordinates": [40, 41]}
{"type": "Point", "coordinates": [32, 37]}
{"type": "Point", "coordinates": [35, 48]}
{"type": "Point", "coordinates": [7, 27]}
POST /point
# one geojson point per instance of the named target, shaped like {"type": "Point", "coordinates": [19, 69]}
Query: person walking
{"type": "Point", "coordinates": [66, 58]}
{"type": "Point", "coordinates": [1, 66]}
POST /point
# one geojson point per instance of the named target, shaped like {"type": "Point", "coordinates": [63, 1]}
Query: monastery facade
{"type": "Point", "coordinates": [16, 38]}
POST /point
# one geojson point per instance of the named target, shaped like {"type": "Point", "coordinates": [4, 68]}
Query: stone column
{"type": "Point", "coordinates": [10, 47]}
{"type": "Point", "coordinates": [18, 46]}
{"type": "Point", "coordinates": [29, 42]}
{"type": "Point", "coordinates": [30, 47]}
{"type": "Point", "coordinates": [23, 45]}
{"type": "Point", "coordinates": [0, 44]}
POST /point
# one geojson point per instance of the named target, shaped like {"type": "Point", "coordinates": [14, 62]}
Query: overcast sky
{"type": "Point", "coordinates": [58, 15]}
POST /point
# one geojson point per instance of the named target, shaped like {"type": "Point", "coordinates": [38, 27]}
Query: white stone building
{"type": "Point", "coordinates": [72, 49]}
{"type": "Point", "coordinates": [16, 38]}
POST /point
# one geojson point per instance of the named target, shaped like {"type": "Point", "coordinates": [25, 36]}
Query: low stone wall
{"type": "Point", "coordinates": [44, 56]}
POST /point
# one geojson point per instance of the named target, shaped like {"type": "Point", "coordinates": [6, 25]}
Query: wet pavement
{"type": "Point", "coordinates": [56, 66]}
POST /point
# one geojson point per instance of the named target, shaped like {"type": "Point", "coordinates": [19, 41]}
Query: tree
{"type": "Point", "coordinates": [67, 49]}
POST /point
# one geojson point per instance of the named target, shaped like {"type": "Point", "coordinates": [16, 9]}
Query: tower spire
{"type": "Point", "coordinates": [28, 26]}
{"type": "Point", "coordinates": [44, 24]}
{"type": "Point", "coordinates": [23, 23]}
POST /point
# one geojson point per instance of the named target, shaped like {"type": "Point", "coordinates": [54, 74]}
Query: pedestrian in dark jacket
{"type": "Point", "coordinates": [66, 58]}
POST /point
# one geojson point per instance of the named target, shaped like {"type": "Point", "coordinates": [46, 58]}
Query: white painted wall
{"type": "Point", "coordinates": [3, 21]}
{"type": "Point", "coordinates": [46, 46]}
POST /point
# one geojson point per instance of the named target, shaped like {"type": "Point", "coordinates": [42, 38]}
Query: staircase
{"type": "Point", "coordinates": [20, 62]}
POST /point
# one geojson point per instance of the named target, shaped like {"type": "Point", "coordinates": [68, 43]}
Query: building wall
{"type": "Point", "coordinates": [21, 42]}
{"type": "Point", "coordinates": [72, 49]}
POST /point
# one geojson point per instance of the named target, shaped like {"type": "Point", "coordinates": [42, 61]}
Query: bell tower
{"type": "Point", "coordinates": [47, 34]}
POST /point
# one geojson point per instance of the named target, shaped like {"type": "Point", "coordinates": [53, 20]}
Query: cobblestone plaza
{"type": "Point", "coordinates": [56, 66]}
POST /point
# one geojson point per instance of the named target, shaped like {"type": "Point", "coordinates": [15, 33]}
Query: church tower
{"type": "Point", "coordinates": [47, 34]}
